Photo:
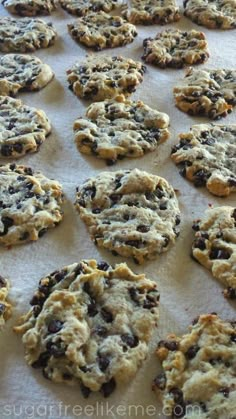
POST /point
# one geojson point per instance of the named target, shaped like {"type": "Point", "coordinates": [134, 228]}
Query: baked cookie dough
{"type": "Point", "coordinates": [22, 128]}
{"type": "Point", "coordinates": [130, 212]}
{"type": "Point", "coordinates": [30, 204]}
{"type": "Point", "coordinates": [102, 77]}
{"type": "Point", "coordinates": [29, 7]}
{"type": "Point", "coordinates": [20, 71]}
{"type": "Point", "coordinates": [90, 325]}
{"type": "Point", "coordinates": [148, 12]}
{"type": "Point", "coordinates": [100, 30]}
{"type": "Point", "coordinates": [207, 92]}
{"type": "Point", "coordinates": [214, 14]}
{"type": "Point", "coordinates": [207, 157]}
{"type": "Point", "coordinates": [215, 245]}
{"type": "Point", "coordinates": [25, 35]}
{"type": "Point", "coordinates": [5, 306]}
{"type": "Point", "coordinates": [82, 7]}
{"type": "Point", "coordinates": [175, 48]}
{"type": "Point", "coordinates": [198, 378]}
{"type": "Point", "coordinates": [119, 128]}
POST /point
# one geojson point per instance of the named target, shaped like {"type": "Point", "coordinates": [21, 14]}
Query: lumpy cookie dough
{"type": "Point", "coordinates": [198, 378]}
{"type": "Point", "coordinates": [100, 30]}
{"type": "Point", "coordinates": [207, 92]}
{"type": "Point", "coordinates": [207, 157]}
{"type": "Point", "coordinates": [214, 14]}
{"type": "Point", "coordinates": [148, 12]}
{"type": "Point", "coordinates": [102, 77]}
{"type": "Point", "coordinates": [25, 35]}
{"type": "Point", "coordinates": [130, 212]}
{"type": "Point", "coordinates": [29, 7]}
{"type": "Point", "coordinates": [20, 71]}
{"type": "Point", "coordinates": [214, 245]}
{"type": "Point", "coordinates": [22, 128]}
{"type": "Point", "coordinates": [175, 48]}
{"type": "Point", "coordinates": [82, 7]}
{"type": "Point", "coordinates": [30, 204]}
{"type": "Point", "coordinates": [90, 325]}
{"type": "Point", "coordinates": [5, 306]}
{"type": "Point", "coordinates": [119, 128]}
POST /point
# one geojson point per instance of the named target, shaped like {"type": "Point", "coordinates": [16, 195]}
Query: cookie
{"type": "Point", "coordinates": [198, 378]}
{"type": "Point", "coordinates": [102, 77]}
{"type": "Point", "coordinates": [90, 325]}
{"type": "Point", "coordinates": [119, 128]}
{"type": "Point", "coordinates": [82, 7]}
{"type": "Point", "coordinates": [5, 306]}
{"type": "Point", "coordinates": [148, 12]}
{"type": "Point", "coordinates": [25, 35]}
{"type": "Point", "coordinates": [207, 92]}
{"type": "Point", "coordinates": [213, 14]}
{"type": "Point", "coordinates": [214, 245]}
{"type": "Point", "coordinates": [130, 212]}
{"type": "Point", "coordinates": [175, 48]}
{"type": "Point", "coordinates": [18, 71]}
{"type": "Point", "coordinates": [29, 7]}
{"type": "Point", "coordinates": [30, 204]}
{"type": "Point", "coordinates": [100, 30]}
{"type": "Point", "coordinates": [207, 157]}
{"type": "Point", "coordinates": [22, 128]}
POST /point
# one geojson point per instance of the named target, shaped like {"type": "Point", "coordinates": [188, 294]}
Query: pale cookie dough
{"type": "Point", "coordinates": [214, 14]}
{"type": "Point", "coordinates": [207, 157]}
{"type": "Point", "coordinates": [22, 128]}
{"type": "Point", "coordinates": [5, 306]}
{"type": "Point", "coordinates": [198, 378]}
{"type": "Point", "coordinates": [90, 325]}
{"type": "Point", "coordinates": [100, 30]}
{"type": "Point", "coordinates": [130, 212]}
{"type": "Point", "coordinates": [119, 128]}
{"type": "Point", "coordinates": [207, 92]}
{"type": "Point", "coordinates": [20, 71]}
{"type": "Point", "coordinates": [25, 35]}
{"type": "Point", "coordinates": [101, 77]}
{"type": "Point", "coordinates": [215, 245]}
{"type": "Point", "coordinates": [82, 7]}
{"type": "Point", "coordinates": [30, 204]}
{"type": "Point", "coordinates": [148, 12]}
{"type": "Point", "coordinates": [29, 7]}
{"type": "Point", "coordinates": [175, 48]}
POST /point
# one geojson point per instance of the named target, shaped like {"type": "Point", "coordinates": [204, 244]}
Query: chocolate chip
{"type": "Point", "coordinates": [130, 340]}
{"type": "Point", "coordinates": [92, 309]}
{"type": "Point", "coordinates": [177, 220]}
{"type": "Point", "coordinates": [55, 326]}
{"type": "Point", "coordinates": [232, 181]}
{"type": "Point", "coordinates": [42, 232]}
{"type": "Point", "coordinates": [224, 391]}
{"type": "Point", "coordinates": [171, 345]}
{"type": "Point", "coordinates": [100, 331]}
{"type": "Point", "coordinates": [7, 223]}
{"type": "Point", "coordinates": [160, 381]}
{"type": "Point", "coordinates": [134, 243]}
{"type": "Point", "coordinates": [219, 254]}
{"type": "Point", "coordinates": [41, 361]}
{"type": "Point", "coordinates": [2, 308]}
{"type": "Point", "coordinates": [85, 390]}
{"type": "Point", "coordinates": [107, 315]}
{"type": "Point", "coordinates": [103, 362]}
{"type": "Point", "coordinates": [199, 243]}
{"type": "Point", "coordinates": [233, 337]}
{"type": "Point", "coordinates": [108, 388]}
{"type": "Point", "coordinates": [143, 228]}
{"type": "Point", "coordinates": [96, 210]}
{"type": "Point", "coordinates": [36, 310]}
{"type": "Point", "coordinates": [3, 282]}
{"type": "Point", "coordinates": [57, 348]}
{"type": "Point", "coordinates": [103, 266]}
{"type": "Point", "coordinates": [230, 293]}
{"type": "Point", "coordinates": [200, 178]}
{"type": "Point", "coordinates": [163, 206]}
{"type": "Point", "coordinates": [195, 226]}
{"type": "Point", "coordinates": [59, 276]}
{"type": "Point", "coordinates": [192, 351]}
{"type": "Point", "coordinates": [134, 294]}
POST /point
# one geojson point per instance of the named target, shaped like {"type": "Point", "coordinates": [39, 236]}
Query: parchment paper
{"type": "Point", "coordinates": [187, 289]}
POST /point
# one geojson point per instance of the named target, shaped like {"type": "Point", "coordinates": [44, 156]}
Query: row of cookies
{"type": "Point", "coordinates": [212, 14]}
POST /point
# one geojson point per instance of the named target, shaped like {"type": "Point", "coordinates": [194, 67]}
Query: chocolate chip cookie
{"type": "Point", "coordinates": [207, 157]}
{"type": "Point", "coordinates": [119, 128]}
{"type": "Point", "coordinates": [20, 71]}
{"type": "Point", "coordinates": [5, 306]}
{"type": "Point", "coordinates": [198, 378]}
{"type": "Point", "coordinates": [148, 12]}
{"type": "Point", "coordinates": [102, 77]}
{"type": "Point", "coordinates": [30, 204]}
{"type": "Point", "coordinates": [90, 325]}
{"type": "Point", "coordinates": [22, 128]}
{"type": "Point", "coordinates": [82, 7]}
{"type": "Point", "coordinates": [214, 245]}
{"type": "Point", "coordinates": [207, 92]}
{"type": "Point", "coordinates": [130, 212]}
{"type": "Point", "coordinates": [214, 14]}
{"type": "Point", "coordinates": [25, 35]}
{"type": "Point", "coordinates": [175, 48]}
{"type": "Point", "coordinates": [29, 7]}
{"type": "Point", "coordinates": [100, 30]}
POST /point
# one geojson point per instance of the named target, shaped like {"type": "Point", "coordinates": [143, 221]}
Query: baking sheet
{"type": "Point", "coordinates": [187, 289]}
